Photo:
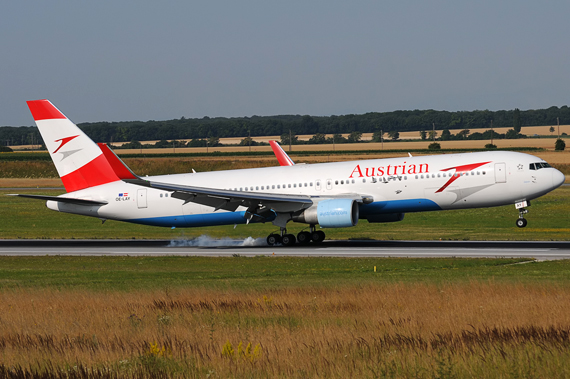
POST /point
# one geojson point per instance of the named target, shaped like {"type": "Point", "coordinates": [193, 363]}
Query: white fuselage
{"type": "Point", "coordinates": [395, 185]}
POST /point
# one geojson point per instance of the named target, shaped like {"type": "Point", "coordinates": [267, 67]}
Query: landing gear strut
{"type": "Point", "coordinates": [304, 238]}
{"type": "Point", "coordinates": [520, 206]}
{"type": "Point", "coordinates": [521, 221]}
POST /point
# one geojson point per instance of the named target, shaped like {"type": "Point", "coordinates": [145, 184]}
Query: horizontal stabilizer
{"type": "Point", "coordinates": [68, 200]}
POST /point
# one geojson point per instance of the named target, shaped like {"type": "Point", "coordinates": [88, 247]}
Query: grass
{"type": "Point", "coordinates": [548, 220]}
{"type": "Point", "coordinates": [235, 273]}
{"type": "Point", "coordinates": [260, 317]}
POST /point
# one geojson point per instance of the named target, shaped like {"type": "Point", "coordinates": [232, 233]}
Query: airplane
{"type": "Point", "coordinates": [331, 195]}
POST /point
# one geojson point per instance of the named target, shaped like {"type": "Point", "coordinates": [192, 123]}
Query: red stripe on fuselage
{"type": "Point", "coordinates": [458, 171]}
{"type": "Point", "coordinates": [44, 110]}
{"type": "Point", "coordinates": [94, 173]}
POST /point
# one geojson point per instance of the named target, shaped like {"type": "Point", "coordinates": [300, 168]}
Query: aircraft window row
{"type": "Point", "coordinates": [165, 195]}
{"type": "Point", "coordinates": [445, 175]}
{"type": "Point", "coordinates": [353, 181]}
{"type": "Point", "coordinates": [539, 165]}
{"type": "Point", "coordinates": [343, 181]}
{"type": "Point", "coordinates": [273, 186]}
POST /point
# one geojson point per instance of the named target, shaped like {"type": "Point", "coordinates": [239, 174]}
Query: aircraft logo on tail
{"type": "Point", "coordinates": [63, 142]}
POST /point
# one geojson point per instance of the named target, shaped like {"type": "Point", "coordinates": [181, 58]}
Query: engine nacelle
{"type": "Point", "coordinates": [332, 213]}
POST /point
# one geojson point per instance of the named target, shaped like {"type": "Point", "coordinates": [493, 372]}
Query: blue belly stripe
{"type": "Point", "coordinates": [206, 219]}
{"type": "Point", "coordinates": [398, 206]}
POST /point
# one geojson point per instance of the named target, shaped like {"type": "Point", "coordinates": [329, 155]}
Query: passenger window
{"type": "Point", "coordinates": [483, 172]}
{"type": "Point", "coordinates": [342, 182]}
{"type": "Point", "coordinates": [289, 185]}
{"type": "Point", "coordinates": [336, 182]}
{"type": "Point", "coordinates": [294, 185]}
{"type": "Point", "coordinates": [160, 195]}
{"type": "Point", "coordinates": [310, 184]}
{"type": "Point", "coordinates": [256, 188]}
{"type": "Point", "coordinates": [363, 180]}
{"type": "Point", "coordinates": [278, 186]}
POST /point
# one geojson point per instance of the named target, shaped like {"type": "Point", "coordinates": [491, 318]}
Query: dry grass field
{"type": "Point", "coordinates": [397, 330]}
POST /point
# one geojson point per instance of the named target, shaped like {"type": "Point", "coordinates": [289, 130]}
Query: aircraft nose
{"type": "Point", "coordinates": [557, 178]}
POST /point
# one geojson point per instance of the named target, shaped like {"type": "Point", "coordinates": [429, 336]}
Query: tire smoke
{"type": "Point", "coordinates": [207, 241]}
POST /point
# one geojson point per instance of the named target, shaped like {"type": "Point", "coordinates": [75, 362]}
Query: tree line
{"type": "Point", "coordinates": [221, 127]}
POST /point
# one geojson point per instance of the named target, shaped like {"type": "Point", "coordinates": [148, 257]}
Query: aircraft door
{"type": "Point", "coordinates": [318, 185]}
{"type": "Point", "coordinates": [141, 198]}
{"type": "Point", "coordinates": [329, 184]}
{"type": "Point", "coordinates": [500, 173]}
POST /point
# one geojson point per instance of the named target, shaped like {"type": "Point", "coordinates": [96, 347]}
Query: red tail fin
{"type": "Point", "coordinates": [78, 160]}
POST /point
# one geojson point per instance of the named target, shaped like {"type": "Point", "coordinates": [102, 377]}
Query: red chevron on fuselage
{"type": "Point", "coordinates": [459, 170]}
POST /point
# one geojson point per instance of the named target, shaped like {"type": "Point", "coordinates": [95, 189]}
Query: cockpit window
{"type": "Point", "coordinates": [539, 165]}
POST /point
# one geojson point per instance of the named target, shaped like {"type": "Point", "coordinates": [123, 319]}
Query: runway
{"type": "Point", "coordinates": [540, 250]}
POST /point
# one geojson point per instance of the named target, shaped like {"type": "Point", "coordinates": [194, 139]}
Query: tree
{"type": "Point", "coordinates": [285, 139]}
{"type": "Point", "coordinates": [463, 134]}
{"type": "Point", "coordinates": [214, 141]}
{"type": "Point", "coordinates": [354, 137]}
{"type": "Point", "coordinates": [423, 135]}
{"type": "Point", "coordinates": [248, 141]}
{"type": "Point", "coordinates": [559, 144]}
{"type": "Point", "coordinates": [511, 134]}
{"type": "Point", "coordinates": [432, 134]}
{"type": "Point", "coordinates": [551, 130]}
{"type": "Point", "coordinates": [490, 146]}
{"type": "Point", "coordinates": [517, 120]}
{"type": "Point", "coordinates": [445, 135]}
{"type": "Point", "coordinates": [337, 138]}
{"type": "Point", "coordinates": [394, 135]}
{"type": "Point", "coordinates": [377, 136]}
{"type": "Point", "coordinates": [434, 146]}
{"type": "Point", "coordinates": [317, 139]}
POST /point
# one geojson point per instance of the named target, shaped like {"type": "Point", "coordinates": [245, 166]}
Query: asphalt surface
{"type": "Point", "coordinates": [540, 250]}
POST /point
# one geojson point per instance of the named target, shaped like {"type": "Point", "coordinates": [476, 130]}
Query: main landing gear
{"type": "Point", "coordinates": [304, 238]}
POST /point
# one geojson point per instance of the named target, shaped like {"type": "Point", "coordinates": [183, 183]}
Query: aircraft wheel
{"type": "Point", "coordinates": [273, 239]}
{"type": "Point", "coordinates": [318, 236]}
{"type": "Point", "coordinates": [288, 240]}
{"type": "Point", "coordinates": [521, 222]}
{"type": "Point", "coordinates": [304, 238]}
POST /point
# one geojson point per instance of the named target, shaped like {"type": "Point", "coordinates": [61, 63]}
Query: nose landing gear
{"type": "Point", "coordinates": [521, 221]}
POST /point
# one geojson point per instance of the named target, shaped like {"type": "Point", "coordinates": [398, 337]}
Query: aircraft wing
{"type": "Point", "coordinates": [230, 200]}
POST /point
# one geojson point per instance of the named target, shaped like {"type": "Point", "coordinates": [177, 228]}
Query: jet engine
{"type": "Point", "coordinates": [331, 213]}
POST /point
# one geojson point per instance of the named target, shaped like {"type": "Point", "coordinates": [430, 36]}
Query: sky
{"type": "Point", "coordinates": [150, 60]}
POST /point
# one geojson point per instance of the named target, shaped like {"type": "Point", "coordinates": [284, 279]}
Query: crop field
{"type": "Point", "coordinates": [147, 317]}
